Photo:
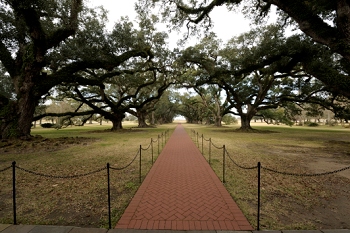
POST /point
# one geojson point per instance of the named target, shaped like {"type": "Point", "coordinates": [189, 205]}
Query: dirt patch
{"type": "Point", "coordinates": [321, 165]}
{"type": "Point", "coordinates": [120, 131]}
{"type": "Point", "coordinates": [248, 131]}
{"type": "Point", "coordinates": [38, 143]}
{"type": "Point", "coordinates": [338, 149]}
{"type": "Point", "coordinates": [303, 202]}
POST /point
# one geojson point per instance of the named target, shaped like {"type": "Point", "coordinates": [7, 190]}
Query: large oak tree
{"type": "Point", "coordinates": [258, 70]}
{"type": "Point", "coordinates": [326, 22]}
{"type": "Point", "coordinates": [38, 52]}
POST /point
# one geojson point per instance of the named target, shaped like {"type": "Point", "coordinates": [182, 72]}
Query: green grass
{"type": "Point", "coordinates": [288, 202]}
{"type": "Point", "coordinates": [80, 201]}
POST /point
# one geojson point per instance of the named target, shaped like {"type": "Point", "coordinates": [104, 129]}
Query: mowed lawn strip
{"type": "Point", "coordinates": [287, 202]}
{"type": "Point", "coordinates": [73, 151]}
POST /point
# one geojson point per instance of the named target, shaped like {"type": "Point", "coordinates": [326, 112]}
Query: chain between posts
{"type": "Point", "coordinates": [146, 148]}
{"type": "Point", "coordinates": [205, 138]}
{"type": "Point", "coordinates": [259, 167]}
{"type": "Point", "coordinates": [152, 147]}
{"type": "Point", "coordinates": [5, 169]}
{"type": "Point", "coordinates": [305, 175]}
{"type": "Point", "coordinates": [154, 140]}
{"type": "Point", "coordinates": [242, 167]}
{"type": "Point", "coordinates": [108, 167]}
{"type": "Point", "coordinates": [122, 168]}
{"type": "Point", "coordinates": [60, 177]}
{"type": "Point", "coordinates": [217, 147]}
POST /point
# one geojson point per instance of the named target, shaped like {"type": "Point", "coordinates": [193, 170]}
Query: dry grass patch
{"type": "Point", "coordinates": [72, 151]}
{"type": "Point", "coordinates": [288, 202]}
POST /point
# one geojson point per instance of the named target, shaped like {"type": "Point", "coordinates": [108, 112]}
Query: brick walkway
{"type": "Point", "coordinates": [181, 192]}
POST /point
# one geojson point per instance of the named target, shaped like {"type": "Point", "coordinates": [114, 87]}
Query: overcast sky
{"type": "Point", "coordinates": [220, 16]}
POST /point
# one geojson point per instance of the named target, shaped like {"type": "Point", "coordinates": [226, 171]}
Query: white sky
{"type": "Point", "coordinates": [224, 30]}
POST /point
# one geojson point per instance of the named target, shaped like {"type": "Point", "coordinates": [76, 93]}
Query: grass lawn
{"type": "Point", "coordinates": [288, 202]}
{"type": "Point", "coordinates": [72, 151]}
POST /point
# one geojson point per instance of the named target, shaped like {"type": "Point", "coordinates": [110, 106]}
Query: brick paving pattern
{"type": "Point", "coordinates": [181, 192]}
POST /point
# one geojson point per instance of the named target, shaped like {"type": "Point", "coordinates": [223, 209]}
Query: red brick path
{"type": "Point", "coordinates": [181, 192]}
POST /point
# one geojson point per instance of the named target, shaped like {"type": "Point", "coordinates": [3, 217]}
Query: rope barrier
{"type": "Point", "coordinates": [217, 146]}
{"type": "Point", "coordinates": [273, 170]}
{"type": "Point", "coordinates": [108, 167]}
{"type": "Point", "coordinates": [305, 175]}
{"type": "Point", "coordinates": [147, 147]}
{"type": "Point", "coordinates": [154, 140]}
{"type": "Point", "coordinates": [259, 167]}
{"type": "Point", "coordinates": [122, 168]}
{"type": "Point", "coordinates": [240, 166]}
{"type": "Point", "coordinates": [206, 139]}
{"type": "Point", "coordinates": [60, 177]}
{"type": "Point", "coordinates": [5, 169]}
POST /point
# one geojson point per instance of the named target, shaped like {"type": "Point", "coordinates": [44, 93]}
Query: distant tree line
{"type": "Point", "coordinates": [61, 52]}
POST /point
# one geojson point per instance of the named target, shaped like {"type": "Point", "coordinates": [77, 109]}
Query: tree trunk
{"type": "Point", "coordinates": [141, 119]}
{"type": "Point", "coordinates": [218, 116]}
{"type": "Point", "coordinates": [117, 125]}
{"type": "Point", "coordinates": [17, 117]}
{"type": "Point", "coordinates": [218, 121]}
{"type": "Point", "coordinates": [245, 122]}
{"type": "Point", "coordinates": [117, 121]}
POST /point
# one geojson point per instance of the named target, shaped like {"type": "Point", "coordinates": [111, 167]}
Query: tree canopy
{"type": "Point", "coordinates": [258, 70]}
{"type": "Point", "coordinates": [325, 22]}
{"type": "Point", "coordinates": [46, 43]}
{"type": "Point", "coordinates": [62, 49]}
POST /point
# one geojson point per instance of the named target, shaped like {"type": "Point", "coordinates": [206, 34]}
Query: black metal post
{"type": "Point", "coordinates": [158, 144]}
{"type": "Point", "coordinates": [14, 192]}
{"type": "Point", "coordinates": [259, 176]}
{"type": "Point", "coordinates": [109, 199]}
{"type": "Point", "coordinates": [202, 144]}
{"type": "Point", "coordinates": [152, 149]}
{"type": "Point", "coordinates": [209, 151]}
{"type": "Point", "coordinates": [197, 141]}
{"type": "Point", "coordinates": [140, 178]}
{"type": "Point", "coordinates": [224, 163]}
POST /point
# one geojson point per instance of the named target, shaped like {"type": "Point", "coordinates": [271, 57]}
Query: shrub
{"type": "Point", "coordinates": [312, 124]}
{"type": "Point", "coordinates": [48, 125]}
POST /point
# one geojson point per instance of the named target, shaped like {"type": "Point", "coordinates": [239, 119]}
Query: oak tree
{"type": "Point", "coordinates": [325, 22]}
{"type": "Point", "coordinates": [46, 43]}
